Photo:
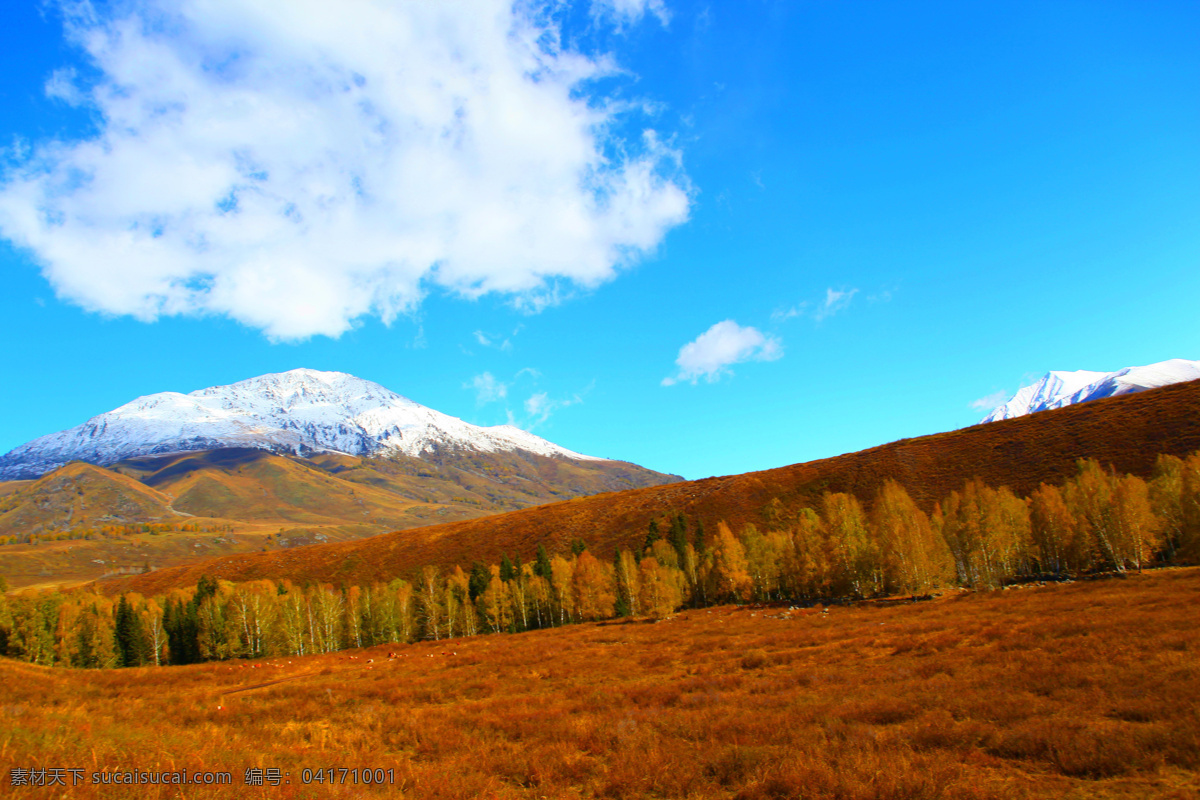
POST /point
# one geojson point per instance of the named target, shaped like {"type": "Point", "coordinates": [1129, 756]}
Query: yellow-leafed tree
{"type": "Point", "coordinates": [730, 571]}
{"type": "Point", "coordinates": [593, 583]}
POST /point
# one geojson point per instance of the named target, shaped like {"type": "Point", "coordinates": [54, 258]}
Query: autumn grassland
{"type": "Point", "coordinates": [1088, 689]}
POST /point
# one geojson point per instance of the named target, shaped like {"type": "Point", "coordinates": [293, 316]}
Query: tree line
{"type": "Point", "coordinates": [52, 534]}
{"type": "Point", "coordinates": [978, 537]}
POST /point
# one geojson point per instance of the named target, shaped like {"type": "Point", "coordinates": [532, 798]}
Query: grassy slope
{"type": "Point", "coordinates": [81, 495]}
{"type": "Point", "coordinates": [255, 485]}
{"type": "Point", "coordinates": [492, 481]}
{"type": "Point", "coordinates": [266, 501]}
{"type": "Point", "coordinates": [1127, 432]}
{"type": "Point", "coordinates": [8, 487]}
{"type": "Point", "coordinates": [1090, 690]}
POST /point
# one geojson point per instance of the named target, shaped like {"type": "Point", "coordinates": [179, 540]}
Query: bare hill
{"type": "Point", "coordinates": [80, 495]}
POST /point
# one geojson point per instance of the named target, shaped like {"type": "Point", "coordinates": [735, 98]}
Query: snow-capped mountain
{"type": "Point", "coordinates": [302, 411]}
{"type": "Point", "coordinates": [1058, 389]}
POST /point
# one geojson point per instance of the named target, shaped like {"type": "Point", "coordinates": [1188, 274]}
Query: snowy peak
{"type": "Point", "coordinates": [301, 411]}
{"type": "Point", "coordinates": [1058, 389]}
{"type": "Point", "coordinates": [307, 388]}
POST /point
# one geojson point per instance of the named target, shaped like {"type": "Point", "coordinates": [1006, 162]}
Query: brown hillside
{"type": "Point", "coordinates": [239, 500]}
{"type": "Point", "coordinates": [1127, 432]}
{"type": "Point", "coordinates": [491, 482]}
{"type": "Point", "coordinates": [247, 484]}
{"type": "Point", "coordinates": [80, 495]}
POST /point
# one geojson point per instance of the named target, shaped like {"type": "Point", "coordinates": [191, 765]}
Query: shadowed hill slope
{"type": "Point", "coordinates": [1125, 432]}
{"type": "Point", "coordinates": [491, 481]}
{"type": "Point", "coordinates": [247, 484]}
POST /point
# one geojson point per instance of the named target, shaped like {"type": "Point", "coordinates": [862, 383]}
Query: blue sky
{"type": "Point", "coordinates": [704, 237]}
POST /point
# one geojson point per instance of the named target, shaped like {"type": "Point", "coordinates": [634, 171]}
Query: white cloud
{"type": "Point", "coordinates": [488, 340]}
{"type": "Point", "coordinates": [725, 343]}
{"type": "Point", "coordinates": [487, 388]}
{"type": "Point", "coordinates": [298, 171]}
{"type": "Point", "coordinates": [836, 300]}
{"type": "Point", "coordinates": [61, 86]}
{"type": "Point", "coordinates": [537, 403]}
{"type": "Point", "coordinates": [539, 406]}
{"type": "Point", "coordinates": [783, 315]}
{"type": "Point", "coordinates": [991, 401]}
{"type": "Point", "coordinates": [630, 11]}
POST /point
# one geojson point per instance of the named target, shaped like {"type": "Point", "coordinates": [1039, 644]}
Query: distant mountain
{"type": "Point", "coordinates": [1058, 389]}
{"type": "Point", "coordinates": [301, 412]}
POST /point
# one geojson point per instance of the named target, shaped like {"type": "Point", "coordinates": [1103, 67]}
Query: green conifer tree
{"type": "Point", "coordinates": [206, 587]}
{"type": "Point", "coordinates": [652, 536]}
{"type": "Point", "coordinates": [479, 580]}
{"type": "Point", "coordinates": [189, 631]}
{"type": "Point", "coordinates": [541, 567]}
{"type": "Point", "coordinates": [181, 625]}
{"type": "Point", "coordinates": [126, 634]}
{"type": "Point", "coordinates": [678, 535]}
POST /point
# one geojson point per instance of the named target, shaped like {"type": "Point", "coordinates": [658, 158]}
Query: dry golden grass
{"type": "Point", "coordinates": [8, 487]}
{"type": "Point", "coordinates": [71, 562]}
{"type": "Point", "coordinates": [1125, 432]}
{"type": "Point", "coordinates": [1087, 690]}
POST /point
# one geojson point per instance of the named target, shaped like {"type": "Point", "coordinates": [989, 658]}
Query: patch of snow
{"type": "Point", "coordinates": [1058, 389]}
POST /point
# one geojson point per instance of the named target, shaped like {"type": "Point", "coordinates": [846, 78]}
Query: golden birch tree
{"type": "Point", "coordinates": [731, 574]}
{"type": "Point", "coordinates": [593, 586]}
{"type": "Point", "coordinates": [855, 558]}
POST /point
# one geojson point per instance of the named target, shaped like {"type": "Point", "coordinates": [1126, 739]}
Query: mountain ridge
{"type": "Point", "coordinates": [300, 412]}
{"type": "Point", "coordinates": [1058, 389]}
